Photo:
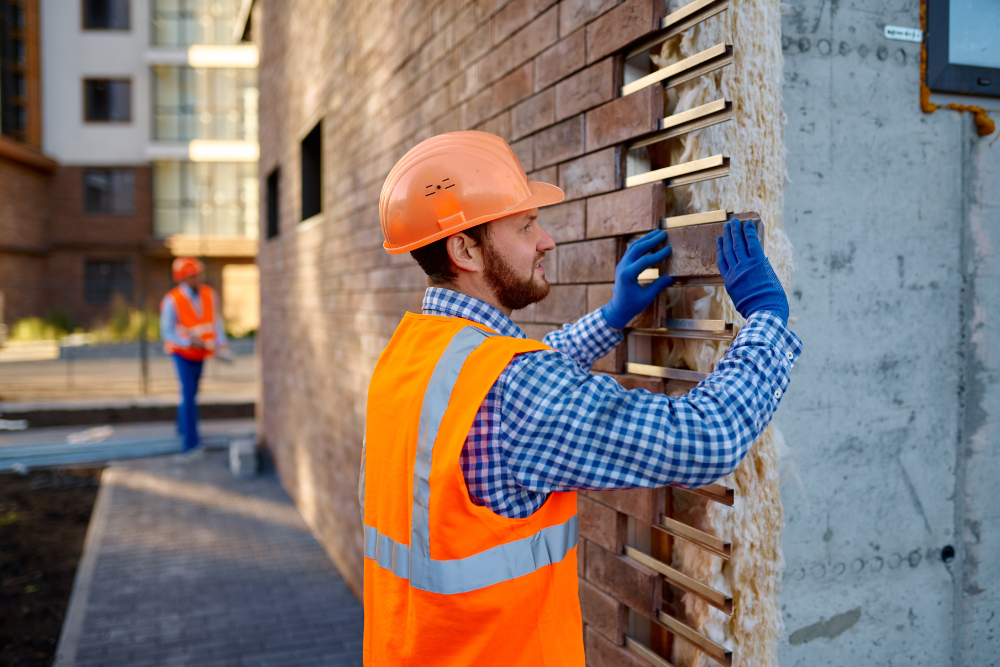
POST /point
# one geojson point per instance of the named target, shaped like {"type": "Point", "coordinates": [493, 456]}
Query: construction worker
{"type": "Point", "coordinates": [192, 330]}
{"type": "Point", "coordinates": [477, 438]}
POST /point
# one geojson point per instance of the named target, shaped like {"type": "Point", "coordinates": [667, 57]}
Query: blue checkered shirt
{"type": "Point", "coordinates": [549, 424]}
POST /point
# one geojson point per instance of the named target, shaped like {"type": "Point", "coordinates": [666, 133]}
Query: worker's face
{"type": "Point", "coordinates": [193, 282]}
{"type": "Point", "coordinates": [513, 259]}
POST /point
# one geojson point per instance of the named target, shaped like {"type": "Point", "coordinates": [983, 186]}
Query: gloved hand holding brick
{"type": "Point", "coordinates": [749, 278]}
{"type": "Point", "coordinates": [631, 298]}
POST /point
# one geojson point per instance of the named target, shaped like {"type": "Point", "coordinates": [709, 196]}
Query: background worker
{"type": "Point", "coordinates": [192, 330]}
{"type": "Point", "coordinates": [477, 439]}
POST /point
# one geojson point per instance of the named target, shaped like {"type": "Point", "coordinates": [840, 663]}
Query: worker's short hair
{"type": "Point", "coordinates": [434, 260]}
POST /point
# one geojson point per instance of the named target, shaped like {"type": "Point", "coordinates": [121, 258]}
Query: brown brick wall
{"type": "Point", "coordinates": [71, 225]}
{"type": "Point", "coordinates": [24, 198]}
{"type": "Point", "coordinates": [383, 77]}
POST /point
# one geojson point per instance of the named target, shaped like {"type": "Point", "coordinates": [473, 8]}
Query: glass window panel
{"type": "Point", "coordinates": [205, 198]}
{"type": "Point", "coordinates": [108, 100]}
{"type": "Point", "coordinates": [106, 14]}
{"type": "Point", "coordinates": [186, 22]}
{"type": "Point", "coordinates": [103, 279]}
{"type": "Point", "coordinates": [108, 191]}
{"type": "Point", "coordinates": [204, 104]}
{"type": "Point", "coordinates": [973, 26]}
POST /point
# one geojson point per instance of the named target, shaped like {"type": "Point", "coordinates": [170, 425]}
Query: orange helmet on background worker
{"type": "Point", "coordinates": [185, 267]}
{"type": "Point", "coordinates": [452, 182]}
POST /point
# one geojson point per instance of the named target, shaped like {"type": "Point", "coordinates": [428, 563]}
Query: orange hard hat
{"type": "Point", "coordinates": [452, 182]}
{"type": "Point", "coordinates": [185, 267]}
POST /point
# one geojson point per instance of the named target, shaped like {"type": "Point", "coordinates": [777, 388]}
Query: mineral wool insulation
{"type": "Point", "coordinates": [754, 140]}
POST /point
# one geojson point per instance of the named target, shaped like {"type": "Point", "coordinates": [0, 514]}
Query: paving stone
{"type": "Point", "coordinates": [196, 567]}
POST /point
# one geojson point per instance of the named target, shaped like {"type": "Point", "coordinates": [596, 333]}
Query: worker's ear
{"type": "Point", "coordinates": [465, 253]}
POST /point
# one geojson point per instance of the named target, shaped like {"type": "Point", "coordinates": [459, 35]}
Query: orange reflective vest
{"type": "Point", "coordinates": [448, 582]}
{"type": "Point", "coordinates": [192, 323]}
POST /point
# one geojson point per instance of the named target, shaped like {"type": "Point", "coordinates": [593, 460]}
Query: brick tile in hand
{"type": "Point", "coordinates": [628, 211]}
{"type": "Point", "coordinates": [621, 26]}
{"type": "Point", "coordinates": [534, 113]}
{"type": "Point", "coordinates": [625, 118]}
{"type": "Point", "coordinates": [525, 44]}
{"type": "Point", "coordinates": [585, 89]}
{"type": "Point", "coordinates": [559, 143]}
{"type": "Point", "coordinates": [588, 261]}
{"type": "Point", "coordinates": [565, 222]}
{"type": "Point", "coordinates": [602, 653]}
{"type": "Point", "coordinates": [564, 304]}
{"type": "Point", "coordinates": [645, 505]}
{"type": "Point", "coordinates": [592, 174]}
{"type": "Point", "coordinates": [513, 88]}
{"type": "Point", "coordinates": [561, 60]}
{"type": "Point", "coordinates": [574, 14]}
{"type": "Point", "coordinates": [624, 579]}
{"type": "Point", "coordinates": [602, 612]}
{"type": "Point", "coordinates": [601, 524]}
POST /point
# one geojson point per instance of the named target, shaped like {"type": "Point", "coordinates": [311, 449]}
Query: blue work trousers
{"type": "Point", "coordinates": [188, 374]}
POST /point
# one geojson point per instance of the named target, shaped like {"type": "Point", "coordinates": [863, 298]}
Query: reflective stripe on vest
{"type": "Point", "coordinates": [500, 563]}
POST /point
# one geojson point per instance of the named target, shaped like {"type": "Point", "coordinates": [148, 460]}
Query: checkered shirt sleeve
{"type": "Point", "coordinates": [548, 424]}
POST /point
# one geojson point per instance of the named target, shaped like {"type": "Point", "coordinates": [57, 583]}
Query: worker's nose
{"type": "Point", "coordinates": [546, 242]}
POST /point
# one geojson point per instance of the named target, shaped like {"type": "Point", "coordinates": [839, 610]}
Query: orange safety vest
{"type": "Point", "coordinates": [448, 582]}
{"type": "Point", "coordinates": [192, 323]}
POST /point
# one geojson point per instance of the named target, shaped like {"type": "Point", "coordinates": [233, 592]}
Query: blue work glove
{"type": "Point", "coordinates": [748, 275]}
{"type": "Point", "coordinates": [630, 298]}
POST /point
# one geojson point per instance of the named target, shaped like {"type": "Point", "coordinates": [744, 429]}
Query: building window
{"type": "Point", "coordinates": [963, 52]}
{"type": "Point", "coordinates": [186, 22]}
{"type": "Point", "coordinates": [108, 100]}
{"type": "Point", "coordinates": [312, 172]}
{"type": "Point", "coordinates": [220, 198]}
{"type": "Point", "coordinates": [108, 191]}
{"type": "Point", "coordinates": [103, 280]}
{"type": "Point", "coordinates": [106, 14]}
{"type": "Point", "coordinates": [272, 203]}
{"type": "Point", "coordinates": [13, 65]}
{"type": "Point", "coordinates": [204, 103]}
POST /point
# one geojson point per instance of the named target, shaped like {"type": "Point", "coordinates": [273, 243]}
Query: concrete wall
{"type": "Point", "coordinates": [892, 409]}
{"type": "Point", "coordinates": [69, 55]}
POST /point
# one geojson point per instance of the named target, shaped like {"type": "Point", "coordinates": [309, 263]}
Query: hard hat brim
{"type": "Point", "coordinates": [542, 194]}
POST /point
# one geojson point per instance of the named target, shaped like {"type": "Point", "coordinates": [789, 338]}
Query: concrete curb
{"type": "Point", "coordinates": [72, 629]}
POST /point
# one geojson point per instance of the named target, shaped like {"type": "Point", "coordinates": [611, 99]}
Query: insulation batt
{"type": "Point", "coordinates": [754, 139]}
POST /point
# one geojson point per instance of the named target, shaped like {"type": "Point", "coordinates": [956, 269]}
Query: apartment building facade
{"type": "Point", "coordinates": [149, 109]}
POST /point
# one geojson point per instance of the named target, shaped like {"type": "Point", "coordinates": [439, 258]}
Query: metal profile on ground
{"type": "Point", "coordinates": [717, 599]}
{"type": "Point", "coordinates": [677, 22]}
{"type": "Point", "coordinates": [692, 219]}
{"type": "Point", "coordinates": [646, 653]}
{"type": "Point", "coordinates": [698, 118]}
{"type": "Point", "coordinates": [692, 67]}
{"type": "Point", "coordinates": [680, 374]}
{"type": "Point", "coordinates": [710, 543]}
{"type": "Point", "coordinates": [715, 651]}
{"type": "Point", "coordinates": [683, 174]}
{"type": "Point", "coordinates": [717, 492]}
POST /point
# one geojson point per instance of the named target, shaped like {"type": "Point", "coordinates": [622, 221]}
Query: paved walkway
{"type": "Point", "coordinates": [185, 565]}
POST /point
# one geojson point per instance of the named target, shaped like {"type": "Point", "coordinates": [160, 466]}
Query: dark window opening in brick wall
{"type": "Point", "coordinates": [108, 191]}
{"type": "Point", "coordinates": [312, 172]}
{"type": "Point", "coordinates": [272, 204]}
{"type": "Point", "coordinates": [103, 279]}
{"type": "Point", "coordinates": [106, 14]}
{"type": "Point", "coordinates": [13, 117]}
{"type": "Point", "coordinates": [108, 100]}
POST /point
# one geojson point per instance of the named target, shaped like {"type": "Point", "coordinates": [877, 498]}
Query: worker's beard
{"type": "Point", "coordinates": [511, 290]}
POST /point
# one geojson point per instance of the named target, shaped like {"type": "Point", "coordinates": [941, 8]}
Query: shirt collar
{"type": "Point", "coordinates": [446, 302]}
